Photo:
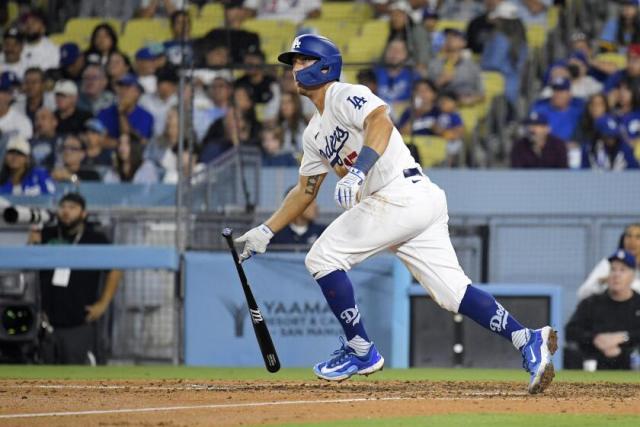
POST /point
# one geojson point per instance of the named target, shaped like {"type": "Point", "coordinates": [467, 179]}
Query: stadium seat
{"type": "Point", "coordinates": [139, 32]}
{"type": "Point", "coordinates": [213, 11]}
{"type": "Point", "coordinates": [340, 32]}
{"type": "Point", "coordinates": [274, 35]}
{"type": "Point", "coordinates": [553, 18]}
{"type": "Point", "coordinates": [616, 58]}
{"type": "Point", "coordinates": [432, 149]}
{"type": "Point", "coordinates": [493, 84]}
{"type": "Point", "coordinates": [361, 49]}
{"type": "Point", "coordinates": [12, 11]}
{"type": "Point", "coordinates": [536, 36]}
{"type": "Point", "coordinates": [85, 26]}
{"type": "Point", "coordinates": [450, 23]}
{"type": "Point", "coordinates": [347, 11]}
{"type": "Point", "coordinates": [202, 26]}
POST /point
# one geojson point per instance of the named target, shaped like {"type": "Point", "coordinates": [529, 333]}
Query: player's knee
{"type": "Point", "coordinates": [318, 264]}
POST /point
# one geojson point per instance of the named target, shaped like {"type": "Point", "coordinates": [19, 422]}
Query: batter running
{"type": "Point", "coordinates": [390, 205]}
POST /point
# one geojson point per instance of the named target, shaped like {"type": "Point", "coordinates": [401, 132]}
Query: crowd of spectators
{"type": "Point", "coordinates": [100, 115]}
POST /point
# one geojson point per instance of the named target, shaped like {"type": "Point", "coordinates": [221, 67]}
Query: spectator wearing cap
{"type": "Point", "coordinates": [420, 117]}
{"type": "Point", "coordinates": [70, 118]}
{"type": "Point", "coordinates": [18, 176]}
{"type": "Point", "coordinates": [38, 50]}
{"type": "Point", "coordinates": [71, 166]}
{"type": "Point", "coordinates": [12, 121]}
{"type": "Point", "coordinates": [181, 39]}
{"type": "Point", "coordinates": [263, 88]}
{"type": "Point", "coordinates": [454, 71]}
{"type": "Point", "coordinates": [239, 40]}
{"type": "Point", "coordinates": [158, 8]}
{"type": "Point", "coordinates": [46, 140]}
{"type": "Point", "coordinates": [538, 148]}
{"type": "Point", "coordinates": [146, 64]}
{"type": "Point", "coordinates": [103, 42]}
{"type": "Point", "coordinates": [608, 151]}
{"type": "Point", "coordinates": [414, 34]}
{"type": "Point", "coordinates": [11, 57]}
{"type": "Point", "coordinates": [622, 30]}
{"type": "Point", "coordinates": [95, 94]}
{"type": "Point", "coordinates": [449, 125]}
{"type": "Point", "coordinates": [35, 96]}
{"type": "Point", "coordinates": [631, 72]}
{"type": "Point", "coordinates": [284, 9]}
{"type": "Point", "coordinates": [72, 62]}
{"type": "Point", "coordinates": [606, 327]}
{"type": "Point", "coordinates": [395, 77]}
{"type": "Point", "coordinates": [596, 281]}
{"type": "Point", "coordinates": [130, 164]}
{"type": "Point", "coordinates": [163, 99]}
{"type": "Point", "coordinates": [95, 138]}
{"type": "Point", "coordinates": [505, 50]}
{"type": "Point", "coordinates": [562, 110]}
{"type": "Point", "coordinates": [127, 116]}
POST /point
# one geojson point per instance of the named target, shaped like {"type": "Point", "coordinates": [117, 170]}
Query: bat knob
{"type": "Point", "coordinates": [227, 232]}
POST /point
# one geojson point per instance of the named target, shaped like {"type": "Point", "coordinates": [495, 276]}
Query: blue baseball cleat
{"type": "Point", "coordinates": [345, 363]}
{"type": "Point", "coordinates": [536, 358]}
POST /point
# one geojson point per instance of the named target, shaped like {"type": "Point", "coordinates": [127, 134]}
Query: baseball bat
{"type": "Point", "coordinates": [263, 336]}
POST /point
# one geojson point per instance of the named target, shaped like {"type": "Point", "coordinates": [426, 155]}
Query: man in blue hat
{"type": "Point", "coordinates": [146, 64]}
{"type": "Point", "coordinates": [71, 62]}
{"type": "Point", "coordinates": [606, 327]}
{"type": "Point", "coordinates": [538, 148]}
{"type": "Point", "coordinates": [562, 110]}
{"type": "Point", "coordinates": [609, 151]}
{"type": "Point", "coordinates": [126, 116]}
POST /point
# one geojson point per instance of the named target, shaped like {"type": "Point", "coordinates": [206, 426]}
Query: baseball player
{"type": "Point", "coordinates": [389, 205]}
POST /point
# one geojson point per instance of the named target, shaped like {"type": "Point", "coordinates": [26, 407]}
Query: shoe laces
{"type": "Point", "coordinates": [341, 354]}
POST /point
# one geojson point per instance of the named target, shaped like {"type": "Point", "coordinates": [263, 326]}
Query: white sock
{"type": "Point", "coordinates": [359, 345]}
{"type": "Point", "coordinates": [520, 337]}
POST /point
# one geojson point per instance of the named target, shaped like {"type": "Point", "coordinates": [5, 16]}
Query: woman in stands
{"type": "Point", "coordinates": [104, 41]}
{"type": "Point", "coordinates": [18, 176]}
{"type": "Point", "coordinates": [129, 164]}
{"type": "Point", "coordinates": [622, 30]}
{"type": "Point", "coordinates": [117, 66]}
{"type": "Point", "coordinates": [597, 106]}
{"type": "Point", "coordinates": [292, 122]}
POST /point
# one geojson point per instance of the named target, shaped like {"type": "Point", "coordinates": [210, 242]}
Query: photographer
{"type": "Point", "coordinates": [70, 299]}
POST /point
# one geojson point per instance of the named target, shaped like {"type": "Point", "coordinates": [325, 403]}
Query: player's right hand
{"type": "Point", "coordinates": [255, 241]}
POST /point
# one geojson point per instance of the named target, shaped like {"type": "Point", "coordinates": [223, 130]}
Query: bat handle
{"type": "Point", "coordinates": [227, 233]}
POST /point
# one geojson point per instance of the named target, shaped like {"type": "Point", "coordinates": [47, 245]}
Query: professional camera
{"type": "Point", "coordinates": [27, 215]}
{"type": "Point", "coordinates": [20, 317]}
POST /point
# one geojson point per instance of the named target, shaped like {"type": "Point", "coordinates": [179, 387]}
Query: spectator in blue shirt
{"type": "Point", "coordinates": [18, 176]}
{"type": "Point", "coordinates": [395, 77]}
{"type": "Point", "coordinates": [126, 116]}
{"type": "Point", "coordinates": [506, 49]}
{"type": "Point", "coordinates": [420, 118]}
{"type": "Point", "coordinates": [180, 28]}
{"type": "Point", "coordinates": [609, 151]}
{"type": "Point", "coordinates": [621, 30]}
{"type": "Point", "coordinates": [449, 126]}
{"type": "Point", "coordinates": [301, 232]}
{"type": "Point", "coordinates": [562, 110]}
{"type": "Point", "coordinates": [272, 153]}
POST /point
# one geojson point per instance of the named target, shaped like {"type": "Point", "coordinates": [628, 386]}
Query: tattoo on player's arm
{"type": "Point", "coordinates": [312, 185]}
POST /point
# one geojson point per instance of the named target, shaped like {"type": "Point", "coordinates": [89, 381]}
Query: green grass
{"type": "Point", "coordinates": [301, 374]}
{"type": "Point", "coordinates": [488, 420]}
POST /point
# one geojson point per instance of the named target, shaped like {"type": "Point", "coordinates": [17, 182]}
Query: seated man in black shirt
{"type": "Point", "coordinates": [70, 299]}
{"type": "Point", "coordinates": [606, 327]}
{"type": "Point", "coordinates": [302, 231]}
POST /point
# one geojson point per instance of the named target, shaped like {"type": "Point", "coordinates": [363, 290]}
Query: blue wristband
{"type": "Point", "coordinates": [366, 159]}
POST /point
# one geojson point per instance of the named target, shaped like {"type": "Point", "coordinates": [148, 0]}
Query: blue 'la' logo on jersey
{"type": "Point", "coordinates": [333, 145]}
{"type": "Point", "coordinates": [357, 101]}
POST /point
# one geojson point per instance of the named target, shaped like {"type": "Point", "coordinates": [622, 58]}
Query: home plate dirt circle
{"type": "Point", "coordinates": [229, 403]}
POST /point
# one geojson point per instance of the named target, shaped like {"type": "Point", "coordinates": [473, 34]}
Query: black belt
{"type": "Point", "coordinates": [408, 173]}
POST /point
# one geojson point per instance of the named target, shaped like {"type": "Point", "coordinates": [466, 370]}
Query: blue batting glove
{"type": "Point", "coordinates": [347, 188]}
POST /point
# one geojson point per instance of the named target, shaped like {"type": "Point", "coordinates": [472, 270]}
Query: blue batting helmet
{"type": "Point", "coordinates": [329, 63]}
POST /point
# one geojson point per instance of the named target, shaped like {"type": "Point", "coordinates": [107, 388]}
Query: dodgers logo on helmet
{"type": "Point", "coordinates": [329, 63]}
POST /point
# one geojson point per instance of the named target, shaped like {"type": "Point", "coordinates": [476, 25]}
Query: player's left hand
{"type": "Point", "coordinates": [347, 188]}
{"type": "Point", "coordinates": [255, 241]}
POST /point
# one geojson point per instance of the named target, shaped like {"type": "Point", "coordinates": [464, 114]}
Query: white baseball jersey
{"type": "Point", "coordinates": [404, 214]}
{"type": "Point", "coordinates": [334, 138]}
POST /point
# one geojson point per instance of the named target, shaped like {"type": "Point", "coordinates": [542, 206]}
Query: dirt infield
{"type": "Point", "coordinates": [229, 403]}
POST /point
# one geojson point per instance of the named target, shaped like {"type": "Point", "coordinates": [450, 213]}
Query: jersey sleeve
{"type": "Point", "coordinates": [354, 103]}
{"type": "Point", "coordinates": [311, 163]}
